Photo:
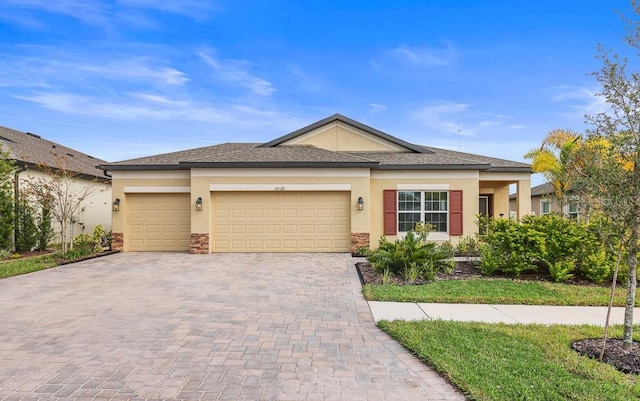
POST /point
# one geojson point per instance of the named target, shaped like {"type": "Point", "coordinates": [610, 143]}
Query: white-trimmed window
{"type": "Point", "coordinates": [431, 207]}
{"type": "Point", "coordinates": [545, 207]}
{"type": "Point", "coordinates": [572, 210]}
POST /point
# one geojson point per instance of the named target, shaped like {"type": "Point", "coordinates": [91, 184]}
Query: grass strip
{"type": "Point", "coordinates": [490, 362]}
{"type": "Point", "coordinates": [496, 291]}
{"type": "Point", "coordinates": [27, 265]}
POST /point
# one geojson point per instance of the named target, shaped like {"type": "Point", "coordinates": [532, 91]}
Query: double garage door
{"type": "Point", "coordinates": [244, 222]}
{"type": "Point", "coordinates": [281, 222]}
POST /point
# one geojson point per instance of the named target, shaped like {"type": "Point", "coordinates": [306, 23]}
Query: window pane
{"type": "Point", "coordinates": [437, 220]}
{"type": "Point", "coordinates": [546, 207]}
{"type": "Point", "coordinates": [408, 201]}
{"type": "Point", "coordinates": [407, 221]}
{"type": "Point", "coordinates": [436, 201]}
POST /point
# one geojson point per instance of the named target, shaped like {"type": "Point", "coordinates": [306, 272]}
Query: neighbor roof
{"type": "Point", "coordinates": [538, 190]}
{"type": "Point", "coordinates": [275, 154]}
{"type": "Point", "coordinates": [32, 150]}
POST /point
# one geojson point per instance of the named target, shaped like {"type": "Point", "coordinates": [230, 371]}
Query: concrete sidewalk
{"type": "Point", "coordinates": [593, 315]}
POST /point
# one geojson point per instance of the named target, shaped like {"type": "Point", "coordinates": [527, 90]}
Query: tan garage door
{"type": "Point", "coordinates": [281, 222]}
{"type": "Point", "coordinates": [158, 222]}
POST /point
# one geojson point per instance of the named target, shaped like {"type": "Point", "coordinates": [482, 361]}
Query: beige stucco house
{"type": "Point", "coordinates": [333, 186]}
{"type": "Point", "coordinates": [544, 201]}
{"type": "Point", "coordinates": [35, 156]}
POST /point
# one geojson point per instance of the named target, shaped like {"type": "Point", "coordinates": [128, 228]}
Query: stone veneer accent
{"type": "Point", "coordinates": [199, 243]}
{"type": "Point", "coordinates": [359, 240]}
{"type": "Point", "coordinates": [117, 241]}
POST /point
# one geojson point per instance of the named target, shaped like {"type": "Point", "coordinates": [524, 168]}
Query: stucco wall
{"type": "Point", "coordinates": [95, 210]}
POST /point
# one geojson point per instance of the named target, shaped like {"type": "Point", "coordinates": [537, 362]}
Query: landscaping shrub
{"type": "Point", "coordinates": [83, 244]}
{"type": "Point", "coordinates": [562, 270]}
{"type": "Point", "coordinates": [597, 267]}
{"type": "Point", "coordinates": [564, 247]}
{"type": "Point", "coordinates": [468, 246]}
{"type": "Point", "coordinates": [26, 231]}
{"type": "Point", "coordinates": [515, 247]}
{"type": "Point", "coordinates": [45, 229]}
{"type": "Point", "coordinates": [412, 257]}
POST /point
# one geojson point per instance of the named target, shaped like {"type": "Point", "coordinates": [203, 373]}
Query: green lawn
{"type": "Point", "coordinates": [515, 362]}
{"type": "Point", "coordinates": [495, 291]}
{"type": "Point", "coordinates": [27, 265]}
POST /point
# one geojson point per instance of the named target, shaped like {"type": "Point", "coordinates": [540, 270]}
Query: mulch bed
{"type": "Point", "coordinates": [615, 353]}
{"type": "Point", "coordinates": [463, 270]}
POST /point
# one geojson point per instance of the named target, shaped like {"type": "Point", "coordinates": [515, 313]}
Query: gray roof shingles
{"type": "Point", "coordinates": [35, 151]}
{"type": "Point", "coordinates": [275, 154]}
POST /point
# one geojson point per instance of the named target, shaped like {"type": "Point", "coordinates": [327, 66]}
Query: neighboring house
{"type": "Point", "coordinates": [543, 202]}
{"type": "Point", "coordinates": [333, 186]}
{"type": "Point", "coordinates": [33, 155]}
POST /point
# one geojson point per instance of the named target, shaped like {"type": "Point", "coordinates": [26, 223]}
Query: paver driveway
{"type": "Point", "coordinates": [147, 326]}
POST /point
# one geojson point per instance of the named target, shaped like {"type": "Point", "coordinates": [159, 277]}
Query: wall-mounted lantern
{"type": "Point", "coordinates": [360, 203]}
{"type": "Point", "coordinates": [199, 204]}
{"type": "Point", "coordinates": [116, 205]}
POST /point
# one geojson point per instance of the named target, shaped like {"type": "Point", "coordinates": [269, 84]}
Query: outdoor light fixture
{"type": "Point", "coordinates": [116, 205]}
{"type": "Point", "coordinates": [360, 203]}
{"type": "Point", "coordinates": [199, 204]}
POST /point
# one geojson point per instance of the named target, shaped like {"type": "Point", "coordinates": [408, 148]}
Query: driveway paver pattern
{"type": "Point", "coordinates": [152, 326]}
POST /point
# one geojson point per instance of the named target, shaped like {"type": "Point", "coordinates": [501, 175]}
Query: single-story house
{"type": "Point", "coordinates": [334, 186]}
{"type": "Point", "coordinates": [544, 201]}
{"type": "Point", "coordinates": [35, 157]}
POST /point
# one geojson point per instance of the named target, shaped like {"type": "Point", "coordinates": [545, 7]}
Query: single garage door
{"type": "Point", "coordinates": [281, 221]}
{"type": "Point", "coordinates": [158, 222]}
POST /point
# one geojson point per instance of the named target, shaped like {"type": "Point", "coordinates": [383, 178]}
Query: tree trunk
{"type": "Point", "coordinates": [632, 263]}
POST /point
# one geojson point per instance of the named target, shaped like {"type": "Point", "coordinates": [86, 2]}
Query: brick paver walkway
{"type": "Point", "coordinates": [152, 326]}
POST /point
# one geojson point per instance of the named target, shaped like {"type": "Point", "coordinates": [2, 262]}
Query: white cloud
{"type": "Point", "coordinates": [195, 9]}
{"type": "Point", "coordinates": [424, 56]}
{"type": "Point", "coordinates": [236, 72]}
{"type": "Point", "coordinates": [48, 71]}
{"type": "Point", "coordinates": [579, 100]}
{"type": "Point", "coordinates": [377, 108]}
{"type": "Point", "coordinates": [94, 12]}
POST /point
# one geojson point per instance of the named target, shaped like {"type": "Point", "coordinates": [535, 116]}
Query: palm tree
{"type": "Point", "coordinates": [555, 159]}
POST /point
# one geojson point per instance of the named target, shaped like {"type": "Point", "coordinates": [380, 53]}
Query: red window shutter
{"type": "Point", "coordinates": [390, 204]}
{"type": "Point", "coordinates": [455, 212]}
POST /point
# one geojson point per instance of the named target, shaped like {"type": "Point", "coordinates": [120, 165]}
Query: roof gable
{"type": "Point", "coordinates": [341, 134]}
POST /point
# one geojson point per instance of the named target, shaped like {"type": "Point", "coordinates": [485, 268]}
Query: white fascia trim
{"type": "Point", "coordinates": [157, 190]}
{"type": "Point", "coordinates": [422, 187]}
{"type": "Point", "coordinates": [280, 187]}
{"type": "Point", "coordinates": [280, 172]}
{"type": "Point", "coordinates": [151, 174]}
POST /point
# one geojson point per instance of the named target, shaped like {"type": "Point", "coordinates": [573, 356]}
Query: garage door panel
{"type": "Point", "coordinates": [158, 222]}
{"type": "Point", "coordinates": [282, 222]}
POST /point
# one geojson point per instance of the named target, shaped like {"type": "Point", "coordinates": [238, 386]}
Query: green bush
{"type": "Point", "coordinates": [412, 257]}
{"type": "Point", "coordinates": [563, 246]}
{"type": "Point", "coordinates": [562, 270]}
{"type": "Point", "coordinates": [83, 244]}
{"type": "Point", "coordinates": [597, 267]}
{"type": "Point", "coordinates": [26, 231]}
{"type": "Point", "coordinates": [45, 229]}
{"type": "Point", "coordinates": [515, 247]}
{"type": "Point", "coordinates": [468, 246]}
{"type": "Point", "coordinates": [98, 236]}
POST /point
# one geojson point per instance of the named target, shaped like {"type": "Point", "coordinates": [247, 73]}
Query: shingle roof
{"type": "Point", "coordinates": [538, 190]}
{"type": "Point", "coordinates": [35, 151]}
{"type": "Point", "coordinates": [275, 154]}
{"type": "Point", "coordinates": [175, 158]}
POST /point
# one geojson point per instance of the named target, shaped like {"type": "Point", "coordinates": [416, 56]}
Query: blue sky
{"type": "Point", "coordinates": [119, 79]}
